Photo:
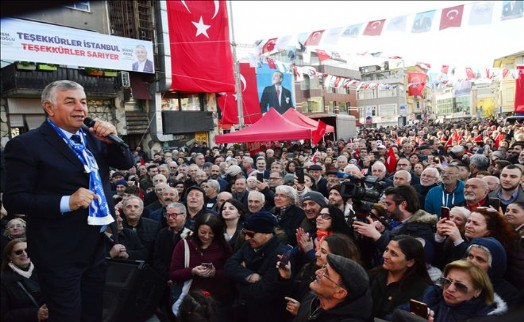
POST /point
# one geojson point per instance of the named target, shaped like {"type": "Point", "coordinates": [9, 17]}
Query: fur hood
{"type": "Point", "coordinates": [423, 217]}
{"type": "Point", "coordinates": [501, 306]}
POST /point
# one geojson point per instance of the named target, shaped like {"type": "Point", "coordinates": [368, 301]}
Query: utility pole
{"type": "Point", "coordinates": [238, 84]}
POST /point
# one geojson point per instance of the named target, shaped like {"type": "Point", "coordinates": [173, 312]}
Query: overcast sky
{"type": "Point", "coordinates": [469, 46]}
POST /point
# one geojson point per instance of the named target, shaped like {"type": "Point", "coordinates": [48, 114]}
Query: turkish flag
{"type": "Point", "coordinates": [391, 161]}
{"type": "Point", "coordinates": [314, 38]}
{"type": "Point", "coordinates": [318, 134]}
{"type": "Point", "coordinates": [519, 90]}
{"type": "Point", "coordinates": [451, 17]}
{"type": "Point", "coordinates": [374, 28]}
{"type": "Point", "coordinates": [201, 56]}
{"type": "Point", "coordinates": [416, 83]}
{"type": "Point", "coordinates": [322, 54]}
{"type": "Point", "coordinates": [500, 137]}
{"type": "Point", "coordinates": [269, 46]}
{"type": "Point", "coordinates": [250, 104]}
{"type": "Point", "coordinates": [271, 63]}
{"type": "Point", "coordinates": [469, 73]}
{"type": "Point", "coordinates": [444, 69]}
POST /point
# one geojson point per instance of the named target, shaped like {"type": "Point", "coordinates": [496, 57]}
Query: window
{"type": "Point", "coordinates": [388, 110]}
{"type": "Point", "coordinates": [366, 94]}
{"type": "Point", "coordinates": [81, 5]}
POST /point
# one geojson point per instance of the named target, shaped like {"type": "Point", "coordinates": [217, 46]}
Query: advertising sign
{"type": "Point", "coordinates": [39, 42]}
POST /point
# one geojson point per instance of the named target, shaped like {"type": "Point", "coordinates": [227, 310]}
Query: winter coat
{"type": "Point", "coordinates": [357, 310]}
{"type": "Point", "coordinates": [419, 225]}
{"type": "Point", "coordinates": [16, 305]}
{"type": "Point", "coordinates": [436, 196]}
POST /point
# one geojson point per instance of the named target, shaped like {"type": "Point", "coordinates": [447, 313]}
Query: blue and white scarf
{"type": "Point", "coordinates": [99, 213]}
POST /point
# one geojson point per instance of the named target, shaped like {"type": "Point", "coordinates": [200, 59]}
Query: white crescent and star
{"type": "Point", "coordinates": [376, 24]}
{"type": "Point", "coordinates": [452, 14]}
{"type": "Point", "coordinates": [201, 27]}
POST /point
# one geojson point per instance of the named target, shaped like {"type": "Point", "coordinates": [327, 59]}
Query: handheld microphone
{"type": "Point", "coordinates": [89, 122]}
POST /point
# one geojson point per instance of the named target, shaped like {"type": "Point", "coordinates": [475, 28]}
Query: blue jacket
{"type": "Point", "coordinates": [437, 198]}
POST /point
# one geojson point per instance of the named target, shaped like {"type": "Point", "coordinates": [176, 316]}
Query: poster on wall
{"type": "Point", "coordinates": [275, 89]}
{"type": "Point", "coordinates": [44, 43]}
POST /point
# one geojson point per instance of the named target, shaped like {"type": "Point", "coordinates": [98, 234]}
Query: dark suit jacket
{"type": "Point", "coordinates": [269, 99]}
{"type": "Point", "coordinates": [148, 68]}
{"type": "Point", "coordinates": [40, 169]}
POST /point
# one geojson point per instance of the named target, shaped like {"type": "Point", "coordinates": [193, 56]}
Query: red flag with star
{"type": "Point", "coordinates": [251, 107]}
{"type": "Point", "coordinates": [322, 54]}
{"type": "Point", "coordinates": [374, 28]}
{"type": "Point", "coordinates": [417, 82]}
{"type": "Point", "coordinates": [196, 29]}
{"type": "Point", "coordinates": [314, 38]}
{"type": "Point", "coordinates": [469, 73]}
{"type": "Point", "coordinates": [451, 17]}
{"type": "Point", "coordinates": [318, 134]}
{"type": "Point", "coordinates": [391, 161]}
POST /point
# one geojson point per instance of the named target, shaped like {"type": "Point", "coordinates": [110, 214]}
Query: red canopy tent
{"type": "Point", "coordinates": [271, 127]}
{"type": "Point", "coordinates": [302, 120]}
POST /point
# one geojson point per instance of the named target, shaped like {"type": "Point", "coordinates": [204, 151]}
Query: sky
{"type": "Point", "coordinates": [467, 46]}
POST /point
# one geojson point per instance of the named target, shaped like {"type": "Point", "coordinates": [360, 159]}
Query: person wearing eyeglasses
{"type": "Point", "coordinates": [465, 292]}
{"type": "Point", "coordinates": [21, 299]}
{"type": "Point", "coordinates": [429, 179]}
{"type": "Point", "coordinates": [260, 293]}
{"type": "Point", "coordinates": [448, 194]}
{"type": "Point", "coordinates": [168, 237]}
{"type": "Point", "coordinates": [15, 228]}
{"type": "Point", "coordinates": [339, 292]}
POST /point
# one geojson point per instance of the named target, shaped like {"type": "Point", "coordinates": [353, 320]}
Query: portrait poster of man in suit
{"type": "Point", "coordinates": [275, 88]}
{"type": "Point", "coordinates": [142, 64]}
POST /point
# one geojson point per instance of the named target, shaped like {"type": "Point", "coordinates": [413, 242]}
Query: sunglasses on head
{"type": "Point", "coordinates": [248, 233]}
{"type": "Point", "coordinates": [446, 282]}
{"type": "Point", "coordinates": [20, 251]}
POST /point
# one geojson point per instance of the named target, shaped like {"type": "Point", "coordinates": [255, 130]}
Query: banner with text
{"type": "Point", "coordinates": [39, 42]}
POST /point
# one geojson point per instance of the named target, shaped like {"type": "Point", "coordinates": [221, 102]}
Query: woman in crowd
{"type": "Point", "coordinates": [483, 222]}
{"type": "Point", "coordinates": [232, 214]}
{"type": "Point", "coordinates": [402, 276]}
{"type": "Point", "coordinates": [292, 166]}
{"type": "Point", "coordinates": [414, 159]}
{"type": "Point", "coordinates": [465, 292]}
{"type": "Point", "coordinates": [20, 291]}
{"type": "Point", "coordinates": [418, 168]}
{"type": "Point", "coordinates": [449, 231]}
{"type": "Point", "coordinates": [15, 228]}
{"type": "Point", "coordinates": [208, 252]}
{"type": "Point", "coordinates": [488, 254]}
{"type": "Point", "coordinates": [515, 217]}
{"type": "Point", "coordinates": [289, 216]}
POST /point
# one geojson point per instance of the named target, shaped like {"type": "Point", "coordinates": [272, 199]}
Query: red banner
{"type": "Point", "coordinates": [201, 56]}
{"type": "Point", "coordinates": [519, 91]}
{"type": "Point", "coordinates": [374, 28]}
{"type": "Point", "coordinates": [451, 17]}
{"type": "Point", "coordinates": [250, 103]}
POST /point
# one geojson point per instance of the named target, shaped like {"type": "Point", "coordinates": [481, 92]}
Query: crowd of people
{"type": "Point", "coordinates": [348, 230]}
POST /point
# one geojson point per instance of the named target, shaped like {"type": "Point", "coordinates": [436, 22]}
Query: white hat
{"type": "Point", "coordinates": [381, 146]}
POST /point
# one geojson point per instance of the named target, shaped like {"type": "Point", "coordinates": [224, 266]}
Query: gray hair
{"type": "Point", "coordinates": [434, 171]}
{"type": "Point", "coordinates": [178, 205]}
{"type": "Point", "coordinates": [127, 199]}
{"type": "Point", "coordinates": [214, 184]}
{"type": "Point", "coordinates": [257, 194]}
{"type": "Point", "coordinates": [462, 210]}
{"type": "Point", "coordinates": [379, 164]}
{"type": "Point", "coordinates": [408, 175]}
{"type": "Point", "coordinates": [289, 191]}
{"type": "Point", "coordinates": [49, 92]}
{"type": "Point", "coordinates": [490, 257]}
{"type": "Point", "coordinates": [480, 161]}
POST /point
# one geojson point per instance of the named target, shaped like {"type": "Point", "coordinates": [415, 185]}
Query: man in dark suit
{"type": "Point", "coordinates": [58, 175]}
{"type": "Point", "coordinates": [143, 64]}
{"type": "Point", "coordinates": [276, 95]}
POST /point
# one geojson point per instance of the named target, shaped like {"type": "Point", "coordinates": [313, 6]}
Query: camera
{"type": "Point", "coordinates": [364, 192]}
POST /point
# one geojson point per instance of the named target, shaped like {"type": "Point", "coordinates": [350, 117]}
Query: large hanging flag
{"type": "Point", "coordinates": [196, 29]}
{"type": "Point", "coordinates": [519, 90]}
{"type": "Point", "coordinates": [481, 13]}
{"type": "Point", "coordinates": [251, 106]}
{"type": "Point", "coordinates": [423, 21]}
{"type": "Point", "coordinates": [397, 24]}
{"type": "Point", "coordinates": [451, 17]}
{"type": "Point", "coordinates": [314, 38]}
{"type": "Point", "coordinates": [374, 28]}
{"type": "Point", "coordinates": [416, 83]}
{"type": "Point", "coordinates": [318, 134]}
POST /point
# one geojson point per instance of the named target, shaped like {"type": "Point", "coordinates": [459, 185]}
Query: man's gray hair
{"type": "Point", "coordinates": [127, 199]}
{"type": "Point", "coordinates": [49, 92]}
{"type": "Point", "coordinates": [480, 161]}
{"type": "Point", "coordinates": [177, 205]}
{"type": "Point", "coordinates": [257, 194]}
{"type": "Point", "coordinates": [214, 184]}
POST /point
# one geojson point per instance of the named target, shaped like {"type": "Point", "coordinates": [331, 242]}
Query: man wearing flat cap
{"type": "Point", "coordinates": [340, 292]}
{"type": "Point", "coordinates": [253, 270]}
